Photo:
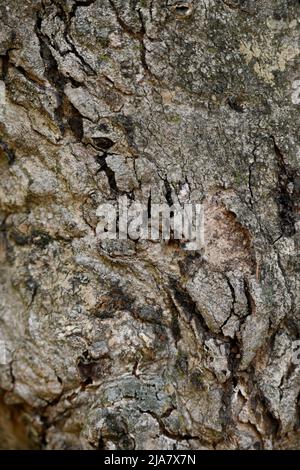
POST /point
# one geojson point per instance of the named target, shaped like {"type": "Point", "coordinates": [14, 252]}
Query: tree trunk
{"type": "Point", "coordinates": [137, 343]}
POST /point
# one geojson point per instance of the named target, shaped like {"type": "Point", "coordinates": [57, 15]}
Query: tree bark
{"type": "Point", "coordinates": [143, 344]}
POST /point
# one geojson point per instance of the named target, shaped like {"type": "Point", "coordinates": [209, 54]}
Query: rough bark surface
{"type": "Point", "coordinates": [137, 344]}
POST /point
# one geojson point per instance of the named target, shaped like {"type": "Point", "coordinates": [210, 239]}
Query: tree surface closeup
{"type": "Point", "coordinates": [140, 343]}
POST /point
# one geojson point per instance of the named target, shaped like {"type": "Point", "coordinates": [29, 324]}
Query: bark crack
{"type": "Point", "coordinates": [284, 198]}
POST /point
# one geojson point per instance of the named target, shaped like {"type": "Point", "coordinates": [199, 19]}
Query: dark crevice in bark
{"type": "Point", "coordinates": [188, 306]}
{"type": "Point", "coordinates": [8, 152]}
{"type": "Point", "coordinates": [226, 418]}
{"type": "Point", "coordinates": [74, 119]}
{"type": "Point", "coordinates": [51, 67]}
{"type": "Point", "coordinates": [92, 369]}
{"type": "Point", "coordinates": [66, 19]}
{"type": "Point", "coordinates": [272, 422]}
{"type": "Point", "coordinates": [149, 205]}
{"type": "Point", "coordinates": [110, 174]}
{"type": "Point", "coordinates": [168, 193]}
{"type": "Point", "coordinates": [138, 35]}
{"type": "Point", "coordinates": [65, 113]}
{"type": "Point", "coordinates": [298, 412]}
{"type": "Point", "coordinates": [43, 435]}
{"type": "Point", "coordinates": [4, 237]}
{"type": "Point", "coordinates": [284, 197]}
{"type": "Point", "coordinates": [33, 287]}
{"type": "Point", "coordinates": [250, 301]}
{"type": "Point", "coordinates": [175, 325]}
{"type": "Point", "coordinates": [184, 300]}
{"type": "Point", "coordinates": [14, 430]}
{"type": "Point", "coordinates": [29, 77]}
{"type": "Point", "coordinates": [251, 166]}
{"type": "Point", "coordinates": [4, 65]}
{"type": "Point", "coordinates": [134, 369]}
{"type": "Point", "coordinates": [234, 357]}
{"type": "Point", "coordinates": [6, 62]}
{"type": "Point", "coordinates": [234, 104]}
{"type": "Point", "coordinates": [143, 50]}
{"type": "Point", "coordinates": [57, 80]}
{"type": "Point", "coordinates": [231, 288]}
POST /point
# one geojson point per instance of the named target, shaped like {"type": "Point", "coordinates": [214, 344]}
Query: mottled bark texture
{"type": "Point", "coordinates": [137, 344]}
